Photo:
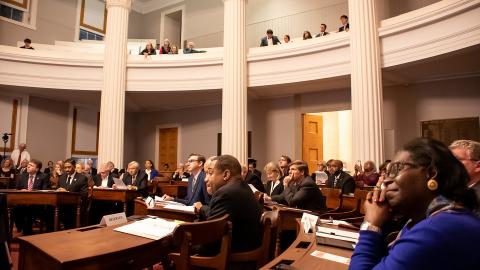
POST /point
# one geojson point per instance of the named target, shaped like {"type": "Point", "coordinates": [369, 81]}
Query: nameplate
{"type": "Point", "coordinates": [114, 219]}
{"type": "Point", "coordinates": [309, 222]}
{"type": "Point", "coordinates": [150, 201]}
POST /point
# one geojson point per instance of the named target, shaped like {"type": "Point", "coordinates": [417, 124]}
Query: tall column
{"type": "Point", "coordinates": [234, 95]}
{"type": "Point", "coordinates": [366, 82]}
{"type": "Point", "coordinates": [112, 109]}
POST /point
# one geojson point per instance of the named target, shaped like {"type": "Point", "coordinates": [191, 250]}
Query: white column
{"type": "Point", "coordinates": [234, 96]}
{"type": "Point", "coordinates": [366, 82]}
{"type": "Point", "coordinates": [112, 109]}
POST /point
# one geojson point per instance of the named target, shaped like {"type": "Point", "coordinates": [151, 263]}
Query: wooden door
{"type": "Point", "coordinates": [168, 144]}
{"type": "Point", "coordinates": [312, 140]}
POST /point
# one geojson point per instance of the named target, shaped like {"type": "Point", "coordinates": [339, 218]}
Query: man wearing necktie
{"type": "Point", "coordinates": [31, 180]}
{"type": "Point", "coordinates": [134, 179]}
{"type": "Point", "coordinates": [72, 182]}
{"type": "Point", "coordinates": [197, 189]}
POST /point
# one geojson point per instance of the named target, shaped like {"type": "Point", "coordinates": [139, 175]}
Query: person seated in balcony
{"type": "Point", "coordinates": [345, 25]}
{"type": "Point", "coordinates": [340, 179]}
{"type": "Point", "coordinates": [174, 49]}
{"type": "Point", "coordinates": [286, 38]}
{"type": "Point", "coordinates": [190, 48]}
{"type": "Point", "coordinates": [307, 35]}
{"type": "Point", "coordinates": [7, 168]}
{"type": "Point", "coordinates": [27, 42]}
{"type": "Point", "coordinates": [323, 30]}
{"type": "Point", "coordinates": [165, 49]}
{"type": "Point", "coordinates": [149, 50]}
{"type": "Point", "coordinates": [269, 39]}
{"type": "Point", "coordinates": [368, 176]}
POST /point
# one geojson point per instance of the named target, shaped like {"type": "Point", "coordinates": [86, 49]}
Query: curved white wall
{"type": "Point", "coordinates": [436, 29]}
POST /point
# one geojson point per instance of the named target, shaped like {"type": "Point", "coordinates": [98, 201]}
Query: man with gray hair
{"type": "Point", "coordinates": [468, 152]}
{"type": "Point", "coordinates": [19, 155]}
{"type": "Point", "coordinates": [136, 179]}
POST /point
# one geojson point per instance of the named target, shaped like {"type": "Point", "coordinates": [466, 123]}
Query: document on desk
{"type": "Point", "coordinates": [330, 257]}
{"type": "Point", "coordinates": [185, 208]}
{"type": "Point", "coordinates": [338, 234]}
{"type": "Point", "coordinates": [152, 228]}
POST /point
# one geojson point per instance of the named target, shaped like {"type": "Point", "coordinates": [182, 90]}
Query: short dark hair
{"type": "Point", "coordinates": [37, 163]}
{"type": "Point", "coordinates": [451, 175]}
{"type": "Point", "coordinates": [344, 16]}
{"type": "Point", "coordinates": [288, 36]}
{"type": "Point", "coordinates": [228, 162]}
{"type": "Point", "coordinates": [151, 162]}
{"type": "Point", "coordinates": [27, 40]}
{"type": "Point", "coordinates": [287, 158]}
{"type": "Point", "coordinates": [270, 31]}
{"type": "Point", "coordinates": [324, 25]}
{"type": "Point", "coordinates": [201, 158]}
{"type": "Point", "coordinates": [71, 161]}
{"type": "Point", "coordinates": [301, 166]}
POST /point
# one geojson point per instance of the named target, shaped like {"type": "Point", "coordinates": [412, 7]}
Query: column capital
{"type": "Point", "coordinates": [119, 3]}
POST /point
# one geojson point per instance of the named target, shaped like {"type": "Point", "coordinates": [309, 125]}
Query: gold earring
{"type": "Point", "coordinates": [432, 184]}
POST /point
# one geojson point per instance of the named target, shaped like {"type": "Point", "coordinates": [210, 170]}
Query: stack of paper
{"type": "Point", "coordinates": [185, 208]}
{"type": "Point", "coordinates": [152, 228]}
{"type": "Point", "coordinates": [338, 238]}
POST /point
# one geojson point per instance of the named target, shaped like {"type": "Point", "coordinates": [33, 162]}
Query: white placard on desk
{"type": "Point", "coordinates": [114, 219]}
{"type": "Point", "coordinates": [308, 221]}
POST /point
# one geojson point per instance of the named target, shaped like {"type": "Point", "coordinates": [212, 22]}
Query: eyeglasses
{"type": "Point", "coordinates": [394, 168]}
{"type": "Point", "coordinates": [192, 160]}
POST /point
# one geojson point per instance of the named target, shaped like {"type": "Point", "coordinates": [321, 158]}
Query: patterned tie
{"type": "Point", "coordinates": [30, 183]}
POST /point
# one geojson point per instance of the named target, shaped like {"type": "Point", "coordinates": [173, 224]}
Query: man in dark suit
{"type": "Point", "coordinates": [300, 190]}
{"type": "Point", "coordinates": [92, 170]}
{"type": "Point", "coordinates": [345, 25]}
{"type": "Point", "coordinates": [113, 171]}
{"type": "Point", "coordinates": [72, 182]}
{"type": "Point", "coordinates": [252, 179]}
{"type": "Point", "coordinates": [231, 195]}
{"type": "Point", "coordinates": [135, 179]}
{"type": "Point", "coordinates": [340, 179]}
{"type": "Point", "coordinates": [270, 39]}
{"type": "Point", "coordinates": [99, 208]}
{"type": "Point", "coordinates": [252, 166]}
{"type": "Point", "coordinates": [31, 180]}
{"type": "Point", "coordinates": [197, 189]}
{"type": "Point", "coordinates": [323, 30]}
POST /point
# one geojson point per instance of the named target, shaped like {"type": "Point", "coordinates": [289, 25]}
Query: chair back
{"type": "Point", "coordinates": [187, 235]}
{"type": "Point", "coordinates": [361, 195]}
{"type": "Point", "coordinates": [260, 255]}
{"type": "Point", "coordinates": [5, 261]}
{"type": "Point", "coordinates": [286, 221]}
{"type": "Point", "coordinates": [140, 207]}
{"type": "Point", "coordinates": [333, 197]}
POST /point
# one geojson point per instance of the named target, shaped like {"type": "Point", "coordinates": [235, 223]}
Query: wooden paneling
{"type": "Point", "coordinates": [312, 140]}
{"type": "Point", "coordinates": [75, 151]}
{"type": "Point", "coordinates": [168, 147]}
{"type": "Point", "coordinates": [449, 130]}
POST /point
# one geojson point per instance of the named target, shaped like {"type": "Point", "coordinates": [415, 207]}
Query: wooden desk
{"type": "Point", "coordinates": [93, 247]}
{"type": "Point", "coordinates": [5, 181]}
{"type": "Point", "coordinates": [176, 189]}
{"type": "Point", "coordinates": [303, 260]}
{"type": "Point", "coordinates": [46, 197]}
{"type": "Point", "coordinates": [159, 211]}
{"type": "Point", "coordinates": [119, 195]}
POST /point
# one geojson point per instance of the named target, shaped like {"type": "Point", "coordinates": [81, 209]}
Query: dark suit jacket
{"type": "Point", "coordinates": [254, 180]}
{"type": "Point", "coordinates": [197, 193]}
{"type": "Point", "coordinates": [140, 182]}
{"type": "Point", "coordinates": [324, 34]}
{"type": "Point", "coordinates": [78, 184]}
{"type": "Point", "coordinates": [264, 41]}
{"type": "Point", "coordinates": [303, 195]}
{"type": "Point", "coordinates": [93, 171]}
{"type": "Point", "coordinates": [236, 199]}
{"type": "Point", "coordinates": [41, 181]}
{"type": "Point", "coordinates": [345, 182]}
{"type": "Point", "coordinates": [97, 180]}
{"type": "Point", "coordinates": [277, 190]}
{"type": "Point", "coordinates": [342, 28]}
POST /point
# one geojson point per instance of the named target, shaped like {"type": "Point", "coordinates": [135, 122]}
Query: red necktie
{"type": "Point", "coordinates": [30, 182]}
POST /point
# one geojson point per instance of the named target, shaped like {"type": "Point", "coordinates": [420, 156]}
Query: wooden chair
{"type": "Point", "coordinates": [358, 212]}
{"type": "Point", "coordinates": [187, 235]}
{"type": "Point", "coordinates": [333, 198]}
{"type": "Point", "coordinates": [286, 222]}
{"type": "Point", "coordinates": [261, 255]}
{"type": "Point", "coordinates": [140, 207]}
